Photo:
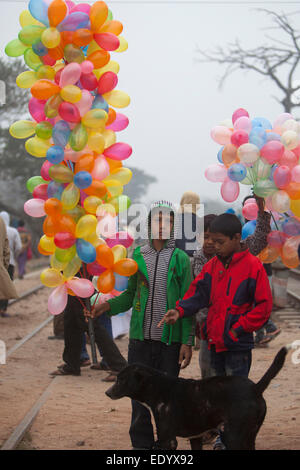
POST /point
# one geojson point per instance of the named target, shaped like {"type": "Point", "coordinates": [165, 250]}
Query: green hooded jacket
{"type": "Point", "coordinates": [136, 296]}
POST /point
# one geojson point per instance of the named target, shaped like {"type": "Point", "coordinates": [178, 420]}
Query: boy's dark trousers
{"type": "Point", "coordinates": [230, 362]}
{"type": "Point", "coordinates": [74, 327]}
{"type": "Point", "coordinates": [161, 357]}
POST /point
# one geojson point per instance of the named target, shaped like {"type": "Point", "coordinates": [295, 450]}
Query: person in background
{"type": "Point", "coordinates": [189, 223]}
{"type": "Point", "coordinates": [25, 253]}
{"type": "Point", "coordinates": [15, 246]}
{"type": "Point", "coordinates": [7, 288]}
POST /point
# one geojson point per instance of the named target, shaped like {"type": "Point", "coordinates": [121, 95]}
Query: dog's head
{"type": "Point", "coordinates": [131, 382]}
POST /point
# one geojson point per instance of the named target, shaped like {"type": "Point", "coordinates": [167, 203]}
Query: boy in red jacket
{"type": "Point", "coordinates": [235, 288]}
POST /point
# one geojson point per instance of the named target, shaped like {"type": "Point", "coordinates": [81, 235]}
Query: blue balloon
{"type": "Point", "coordinates": [75, 20]}
{"type": "Point", "coordinates": [39, 11]}
{"type": "Point", "coordinates": [39, 48]}
{"type": "Point", "coordinates": [61, 133]}
{"type": "Point", "coordinates": [55, 154]}
{"type": "Point", "coordinates": [121, 282]}
{"type": "Point", "coordinates": [237, 172]}
{"type": "Point", "coordinates": [261, 122]}
{"type": "Point", "coordinates": [55, 189]}
{"type": "Point", "coordinates": [83, 179]}
{"type": "Point", "coordinates": [258, 137]}
{"type": "Point", "coordinates": [219, 155]}
{"type": "Point", "coordinates": [230, 211]}
{"type": "Point", "coordinates": [100, 103]}
{"type": "Point", "coordinates": [273, 136]}
{"type": "Point", "coordinates": [85, 251]}
{"type": "Point", "coordinates": [248, 229]}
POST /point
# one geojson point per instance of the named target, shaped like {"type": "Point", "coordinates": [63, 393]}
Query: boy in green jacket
{"type": "Point", "coordinates": [163, 276]}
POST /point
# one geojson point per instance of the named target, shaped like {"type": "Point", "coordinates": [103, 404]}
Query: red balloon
{"type": "Point", "coordinates": [89, 81]}
{"type": "Point", "coordinates": [69, 112]}
{"type": "Point", "coordinates": [64, 240]}
{"type": "Point", "coordinates": [107, 41]}
{"type": "Point", "coordinates": [40, 192]}
{"type": "Point", "coordinates": [107, 82]}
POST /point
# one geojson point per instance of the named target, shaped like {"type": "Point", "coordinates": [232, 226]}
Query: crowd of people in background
{"type": "Point", "coordinates": [176, 300]}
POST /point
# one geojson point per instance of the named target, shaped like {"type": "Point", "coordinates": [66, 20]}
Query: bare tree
{"type": "Point", "coordinates": [277, 59]}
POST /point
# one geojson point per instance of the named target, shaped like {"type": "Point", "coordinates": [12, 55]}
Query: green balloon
{"type": "Point", "coordinates": [15, 48]}
{"type": "Point", "coordinates": [78, 138]}
{"type": "Point", "coordinates": [32, 60]}
{"type": "Point", "coordinates": [30, 34]}
{"type": "Point", "coordinates": [264, 188]}
{"type": "Point", "coordinates": [44, 130]}
{"type": "Point", "coordinates": [65, 255]}
{"type": "Point", "coordinates": [33, 182]}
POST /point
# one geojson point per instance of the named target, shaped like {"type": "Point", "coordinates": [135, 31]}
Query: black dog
{"type": "Point", "coordinates": [188, 408]}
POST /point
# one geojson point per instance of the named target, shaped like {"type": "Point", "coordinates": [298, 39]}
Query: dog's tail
{"type": "Point", "coordinates": [273, 370]}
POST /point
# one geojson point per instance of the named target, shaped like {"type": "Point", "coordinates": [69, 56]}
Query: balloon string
{"type": "Point", "coordinates": [274, 220]}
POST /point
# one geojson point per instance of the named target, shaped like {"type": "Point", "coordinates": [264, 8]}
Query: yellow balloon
{"type": "Point", "coordinates": [114, 187]}
{"type": "Point", "coordinates": [119, 252]}
{"type": "Point", "coordinates": [96, 142]}
{"type": "Point", "coordinates": [22, 129]}
{"type": "Point", "coordinates": [93, 46]}
{"type": "Point", "coordinates": [105, 209]}
{"type": "Point", "coordinates": [91, 204]}
{"type": "Point", "coordinates": [56, 264]}
{"type": "Point", "coordinates": [71, 93]}
{"type": "Point", "coordinates": [110, 138]}
{"type": "Point", "coordinates": [50, 38]}
{"type": "Point", "coordinates": [51, 277]}
{"type": "Point", "coordinates": [70, 197]}
{"type": "Point", "coordinates": [117, 98]}
{"type": "Point", "coordinates": [26, 19]}
{"type": "Point", "coordinates": [123, 175]}
{"type": "Point", "coordinates": [95, 118]}
{"type": "Point", "coordinates": [112, 66]}
{"type": "Point", "coordinates": [26, 79]}
{"type": "Point", "coordinates": [123, 44]}
{"type": "Point", "coordinates": [86, 225]}
{"type": "Point", "coordinates": [37, 147]}
{"type": "Point", "coordinates": [295, 207]}
{"type": "Point", "coordinates": [45, 71]}
{"type": "Point", "coordinates": [47, 243]}
{"type": "Point", "coordinates": [95, 240]}
{"type": "Point", "coordinates": [72, 268]}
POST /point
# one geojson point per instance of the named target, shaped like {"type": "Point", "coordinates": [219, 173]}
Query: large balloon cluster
{"type": "Point", "coordinates": [73, 129]}
{"type": "Point", "coordinates": [265, 156]}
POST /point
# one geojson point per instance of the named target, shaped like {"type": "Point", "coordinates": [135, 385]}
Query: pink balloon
{"type": "Point", "coordinates": [85, 103]}
{"type": "Point", "coordinates": [45, 170]}
{"type": "Point", "coordinates": [120, 238]}
{"type": "Point", "coordinates": [239, 113]}
{"type": "Point", "coordinates": [58, 299]}
{"type": "Point", "coordinates": [216, 173]}
{"type": "Point", "coordinates": [230, 190]}
{"type": "Point", "coordinates": [281, 119]}
{"type": "Point", "coordinates": [87, 66]}
{"type": "Point", "coordinates": [276, 238]}
{"type": "Point", "coordinates": [35, 207]}
{"type": "Point", "coordinates": [101, 168]}
{"type": "Point", "coordinates": [296, 151]}
{"type": "Point", "coordinates": [74, 156]}
{"type": "Point", "coordinates": [83, 7]}
{"type": "Point", "coordinates": [70, 74]}
{"type": "Point", "coordinates": [89, 81]}
{"type": "Point", "coordinates": [296, 174]}
{"type": "Point", "coordinates": [48, 60]}
{"type": "Point", "coordinates": [289, 159]}
{"type": "Point", "coordinates": [119, 124]}
{"type": "Point", "coordinates": [251, 200]}
{"type": "Point", "coordinates": [36, 109]}
{"type": "Point", "coordinates": [239, 137]}
{"type": "Point", "coordinates": [272, 151]}
{"type": "Point", "coordinates": [250, 211]}
{"type": "Point", "coordinates": [69, 112]}
{"type": "Point", "coordinates": [282, 176]}
{"type": "Point", "coordinates": [243, 123]}
{"type": "Point", "coordinates": [221, 135]}
{"type": "Point", "coordinates": [118, 151]}
{"type": "Point", "coordinates": [95, 269]}
{"type": "Point", "coordinates": [81, 287]}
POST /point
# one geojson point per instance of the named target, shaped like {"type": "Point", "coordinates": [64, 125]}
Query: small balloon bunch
{"type": "Point", "coordinates": [73, 129]}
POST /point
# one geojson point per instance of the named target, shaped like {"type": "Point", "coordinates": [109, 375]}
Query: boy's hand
{"type": "Point", "coordinates": [97, 310]}
{"type": "Point", "coordinates": [185, 356]}
{"type": "Point", "coordinates": [169, 318]}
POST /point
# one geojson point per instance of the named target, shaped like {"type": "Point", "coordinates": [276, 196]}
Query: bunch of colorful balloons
{"type": "Point", "coordinates": [265, 156]}
{"type": "Point", "coordinates": [73, 129]}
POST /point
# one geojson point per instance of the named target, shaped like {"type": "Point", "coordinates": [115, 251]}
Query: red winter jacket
{"type": "Point", "coordinates": [238, 297]}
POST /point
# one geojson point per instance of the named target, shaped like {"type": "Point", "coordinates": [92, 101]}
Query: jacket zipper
{"type": "Point", "coordinates": [154, 280]}
{"type": "Point", "coordinates": [228, 287]}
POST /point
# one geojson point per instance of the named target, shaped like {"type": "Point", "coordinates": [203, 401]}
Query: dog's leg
{"type": "Point", "coordinates": [196, 443]}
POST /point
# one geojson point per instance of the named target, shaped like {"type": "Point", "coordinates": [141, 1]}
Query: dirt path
{"type": "Point", "coordinates": [78, 415]}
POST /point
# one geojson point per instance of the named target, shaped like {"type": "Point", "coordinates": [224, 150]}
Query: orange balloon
{"type": "Point", "coordinates": [66, 37]}
{"type": "Point", "coordinates": [125, 267]}
{"type": "Point", "coordinates": [269, 254]}
{"type": "Point", "coordinates": [293, 190]}
{"type": "Point", "coordinates": [111, 116]}
{"type": "Point", "coordinates": [99, 58]}
{"type": "Point", "coordinates": [97, 188]}
{"type": "Point", "coordinates": [113, 26]}
{"type": "Point", "coordinates": [53, 206]}
{"type": "Point", "coordinates": [229, 154]}
{"type": "Point", "coordinates": [98, 15]}
{"type": "Point", "coordinates": [105, 256]}
{"type": "Point", "coordinates": [43, 252]}
{"type": "Point", "coordinates": [82, 37]}
{"type": "Point", "coordinates": [106, 281]}
{"type": "Point", "coordinates": [56, 53]}
{"type": "Point", "coordinates": [57, 11]}
{"type": "Point", "coordinates": [66, 223]}
{"type": "Point", "coordinates": [114, 164]}
{"type": "Point", "coordinates": [70, 292]}
{"type": "Point", "coordinates": [85, 163]}
{"type": "Point", "coordinates": [44, 89]}
{"type": "Point", "coordinates": [50, 226]}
